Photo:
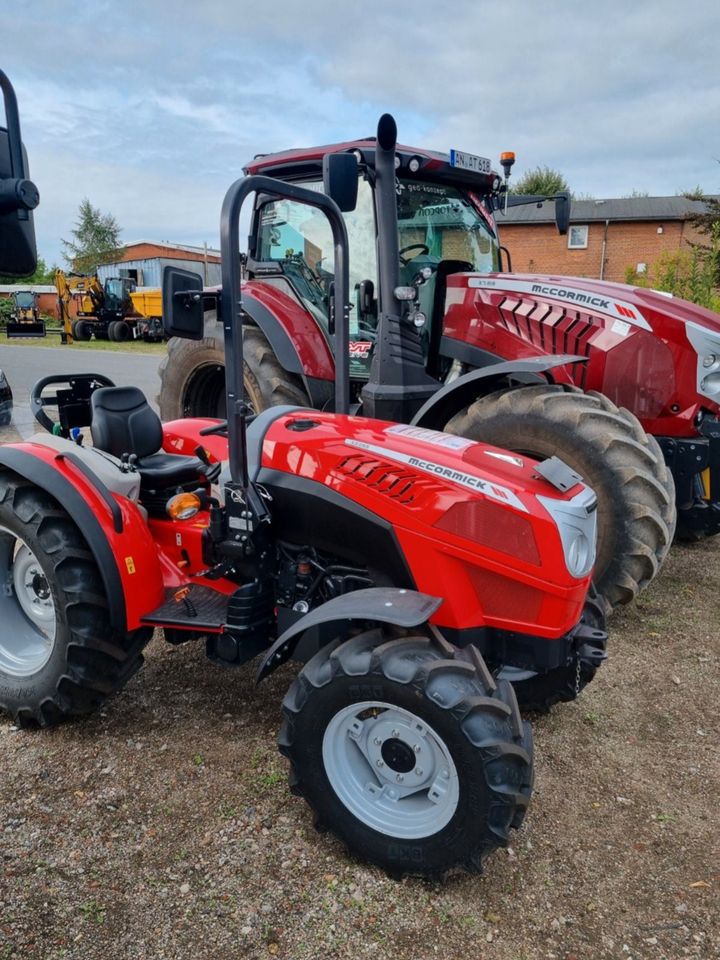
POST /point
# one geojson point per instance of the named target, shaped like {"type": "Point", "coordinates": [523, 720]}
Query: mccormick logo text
{"type": "Point", "coordinates": [493, 490]}
{"type": "Point", "coordinates": [573, 295]}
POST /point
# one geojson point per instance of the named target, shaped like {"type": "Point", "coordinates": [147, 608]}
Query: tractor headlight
{"type": "Point", "coordinates": [706, 344]}
{"type": "Point", "coordinates": [576, 521]}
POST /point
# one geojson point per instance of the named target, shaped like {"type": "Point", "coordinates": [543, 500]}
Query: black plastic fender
{"type": "Point", "coordinates": [444, 404]}
{"type": "Point", "coordinates": [403, 608]}
{"type": "Point", "coordinates": [42, 475]}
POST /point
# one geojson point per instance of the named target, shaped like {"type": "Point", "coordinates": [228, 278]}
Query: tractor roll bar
{"type": "Point", "coordinates": [232, 302]}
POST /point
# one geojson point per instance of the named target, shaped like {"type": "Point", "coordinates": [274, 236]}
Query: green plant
{"type": "Point", "coordinates": [92, 910]}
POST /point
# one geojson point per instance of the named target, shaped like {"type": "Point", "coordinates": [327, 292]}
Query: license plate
{"type": "Point", "coordinates": [468, 161]}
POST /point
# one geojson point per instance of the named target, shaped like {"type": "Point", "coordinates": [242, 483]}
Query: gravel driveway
{"type": "Point", "coordinates": [163, 828]}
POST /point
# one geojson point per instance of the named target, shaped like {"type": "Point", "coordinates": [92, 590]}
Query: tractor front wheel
{"type": "Point", "coordinates": [610, 450]}
{"type": "Point", "coordinates": [409, 752]}
{"type": "Point", "coordinates": [59, 656]}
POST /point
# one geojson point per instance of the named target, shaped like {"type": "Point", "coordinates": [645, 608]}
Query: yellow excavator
{"type": "Point", "coordinates": [110, 311]}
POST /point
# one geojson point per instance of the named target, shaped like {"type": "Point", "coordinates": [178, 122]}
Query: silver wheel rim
{"type": "Point", "coordinates": [391, 770]}
{"type": "Point", "coordinates": [27, 610]}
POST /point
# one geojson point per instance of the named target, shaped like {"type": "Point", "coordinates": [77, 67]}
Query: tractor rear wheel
{"type": "Point", "coordinates": [192, 375]}
{"type": "Point", "coordinates": [608, 447]}
{"type": "Point", "coordinates": [59, 656]}
{"type": "Point", "coordinates": [409, 752]}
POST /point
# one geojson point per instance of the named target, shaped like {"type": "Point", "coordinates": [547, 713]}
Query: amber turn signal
{"type": "Point", "coordinates": [183, 506]}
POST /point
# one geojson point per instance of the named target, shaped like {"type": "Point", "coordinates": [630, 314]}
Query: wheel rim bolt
{"type": "Point", "coordinates": [399, 778]}
{"type": "Point", "coordinates": [446, 774]}
{"type": "Point", "coordinates": [418, 772]}
{"type": "Point", "coordinates": [395, 734]}
{"type": "Point", "coordinates": [417, 748]}
{"type": "Point", "coordinates": [380, 763]}
{"type": "Point", "coordinates": [377, 741]}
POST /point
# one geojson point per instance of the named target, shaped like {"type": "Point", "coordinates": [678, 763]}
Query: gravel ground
{"type": "Point", "coordinates": [163, 828]}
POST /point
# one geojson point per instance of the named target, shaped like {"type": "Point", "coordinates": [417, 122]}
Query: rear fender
{"type": "Point", "coordinates": [113, 527]}
{"type": "Point", "coordinates": [402, 608]}
{"type": "Point", "coordinates": [455, 396]}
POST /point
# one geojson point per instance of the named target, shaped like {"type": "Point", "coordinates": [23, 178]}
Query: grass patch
{"type": "Point", "coordinates": [52, 340]}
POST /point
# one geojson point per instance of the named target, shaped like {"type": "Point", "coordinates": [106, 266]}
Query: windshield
{"type": "Point", "coordinates": [25, 301]}
{"type": "Point", "coordinates": [442, 219]}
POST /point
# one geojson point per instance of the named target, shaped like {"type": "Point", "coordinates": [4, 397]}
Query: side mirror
{"type": "Point", "coordinates": [562, 212]}
{"type": "Point", "coordinates": [182, 304]}
{"type": "Point", "coordinates": [18, 195]}
{"type": "Point", "coordinates": [340, 179]}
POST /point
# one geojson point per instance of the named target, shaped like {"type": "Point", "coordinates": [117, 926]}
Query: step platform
{"type": "Point", "coordinates": [194, 607]}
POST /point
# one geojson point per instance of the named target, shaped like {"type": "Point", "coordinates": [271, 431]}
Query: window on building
{"type": "Point", "coordinates": [578, 237]}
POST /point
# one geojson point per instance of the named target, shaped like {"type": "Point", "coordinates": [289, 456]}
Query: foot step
{"type": "Point", "coordinates": [201, 608]}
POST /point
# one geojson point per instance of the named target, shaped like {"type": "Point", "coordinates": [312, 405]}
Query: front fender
{"type": "Point", "coordinates": [403, 608]}
{"type": "Point", "coordinates": [118, 536]}
{"type": "Point", "coordinates": [453, 397]}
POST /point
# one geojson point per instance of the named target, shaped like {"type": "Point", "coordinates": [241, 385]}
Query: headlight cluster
{"type": "Point", "coordinates": [576, 521]}
{"type": "Point", "coordinates": [706, 344]}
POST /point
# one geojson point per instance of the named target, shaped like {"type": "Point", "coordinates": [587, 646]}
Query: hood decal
{"type": "Point", "coordinates": [594, 302]}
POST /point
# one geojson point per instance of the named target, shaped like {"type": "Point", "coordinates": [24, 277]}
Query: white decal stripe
{"type": "Point", "coordinates": [593, 302]}
{"type": "Point", "coordinates": [490, 489]}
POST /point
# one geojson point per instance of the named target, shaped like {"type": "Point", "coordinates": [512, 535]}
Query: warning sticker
{"type": "Point", "coordinates": [434, 437]}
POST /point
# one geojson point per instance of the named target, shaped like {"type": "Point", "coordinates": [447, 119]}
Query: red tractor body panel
{"type": "Point", "coordinates": [481, 540]}
{"type": "Point", "coordinates": [638, 351]}
{"type": "Point", "coordinates": [138, 561]}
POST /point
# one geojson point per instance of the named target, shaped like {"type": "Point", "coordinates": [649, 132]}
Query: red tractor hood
{"type": "Point", "coordinates": [653, 353]}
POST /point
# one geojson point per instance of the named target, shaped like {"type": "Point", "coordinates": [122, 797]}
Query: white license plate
{"type": "Point", "coordinates": [468, 161]}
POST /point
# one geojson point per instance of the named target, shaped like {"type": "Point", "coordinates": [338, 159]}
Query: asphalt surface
{"type": "Point", "coordinates": [24, 366]}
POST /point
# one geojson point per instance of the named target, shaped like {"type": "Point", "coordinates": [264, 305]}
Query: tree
{"type": "Point", "coordinates": [707, 223]}
{"type": "Point", "coordinates": [96, 239]}
{"type": "Point", "coordinates": [541, 181]}
{"type": "Point", "coordinates": [43, 274]}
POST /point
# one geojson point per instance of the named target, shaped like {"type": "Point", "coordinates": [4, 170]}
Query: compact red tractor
{"type": "Point", "coordinates": [415, 572]}
{"type": "Point", "coordinates": [466, 373]}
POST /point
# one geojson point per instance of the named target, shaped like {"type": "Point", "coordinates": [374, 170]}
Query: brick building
{"type": "Point", "coordinates": [605, 236]}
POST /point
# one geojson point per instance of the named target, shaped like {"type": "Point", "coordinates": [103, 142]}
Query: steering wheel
{"type": "Point", "coordinates": [420, 247]}
{"type": "Point", "coordinates": [78, 389]}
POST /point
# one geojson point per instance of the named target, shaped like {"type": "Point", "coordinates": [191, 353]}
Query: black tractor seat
{"type": "Point", "coordinates": [123, 424]}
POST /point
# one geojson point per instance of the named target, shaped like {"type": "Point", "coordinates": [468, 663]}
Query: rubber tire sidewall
{"type": "Point", "coordinates": [15, 692]}
{"type": "Point", "coordinates": [431, 854]}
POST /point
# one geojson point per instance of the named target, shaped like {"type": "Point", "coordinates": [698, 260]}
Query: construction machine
{"type": "Point", "coordinates": [25, 319]}
{"type": "Point", "coordinates": [102, 309]}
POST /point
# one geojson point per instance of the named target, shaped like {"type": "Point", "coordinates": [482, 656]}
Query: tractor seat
{"type": "Point", "coordinates": [123, 423]}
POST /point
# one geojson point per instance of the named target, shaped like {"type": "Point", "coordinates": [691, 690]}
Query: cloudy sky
{"type": "Point", "coordinates": [151, 109]}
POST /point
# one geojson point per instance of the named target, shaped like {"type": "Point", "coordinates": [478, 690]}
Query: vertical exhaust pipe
{"type": "Point", "coordinates": [398, 384]}
{"type": "Point", "coordinates": [386, 210]}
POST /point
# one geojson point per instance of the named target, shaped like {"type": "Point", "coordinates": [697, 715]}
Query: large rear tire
{"type": "Point", "coordinates": [59, 656]}
{"type": "Point", "coordinates": [192, 375]}
{"type": "Point", "coordinates": [409, 752]}
{"type": "Point", "coordinates": [608, 447]}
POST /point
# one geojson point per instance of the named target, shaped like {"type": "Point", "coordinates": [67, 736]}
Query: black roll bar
{"type": "Point", "coordinates": [232, 303]}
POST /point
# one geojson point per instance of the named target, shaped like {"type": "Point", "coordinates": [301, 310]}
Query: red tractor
{"type": "Point", "coordinates": [644, 380]}
{"type": "Point", "coordinates": [415, 572]}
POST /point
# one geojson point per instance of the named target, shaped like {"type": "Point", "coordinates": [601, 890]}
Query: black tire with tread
{"type": "Point", "coordinates": [192, 375]}
{"type": "Point", "coordinates": [82, 330]}
{"type": "Point", "coordinates": [608, 447]}
{"type": "Point", "coordinates": [451, 690]}
{"type": "Point", "coordinates": [89, 661]}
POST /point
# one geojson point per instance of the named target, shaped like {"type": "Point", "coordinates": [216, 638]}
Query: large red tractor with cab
{"type": "Point", "coordinates": [636, 409]}
{"type": "Point", "coordinates": [416, 573]}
